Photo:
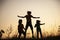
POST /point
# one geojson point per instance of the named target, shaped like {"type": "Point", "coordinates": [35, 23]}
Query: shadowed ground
{"type": "Point", "coordinates": [47, 38]}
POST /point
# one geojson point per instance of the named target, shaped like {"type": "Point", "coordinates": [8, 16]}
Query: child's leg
{"type": "Point", "coordinates": [37, 34]}
{"type": "Point", "coordinates": [19, 35]}
{"type": "Point", "coordinates": [32, 30]}
{"type": "Point", "coordinates": [41, 33]}
{"type": "Point", "coordinates": [24, 34]}
{"type": "Point", "coordinates": [26, 29]}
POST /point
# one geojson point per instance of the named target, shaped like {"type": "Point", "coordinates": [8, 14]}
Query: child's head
{"type": "Point", "coordinates": [38, 21]}
{"type": "Point", "coordinates": [29, 12]}
{"type": "Point", "coordinates": [20, 21]}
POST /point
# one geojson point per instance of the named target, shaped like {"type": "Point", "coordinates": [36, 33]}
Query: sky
{"type": "Point", "coordinates": [47, 10]}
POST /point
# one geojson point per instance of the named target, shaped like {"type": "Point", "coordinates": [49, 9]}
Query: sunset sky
{"type": "Point", "coordinates": [47, 10]}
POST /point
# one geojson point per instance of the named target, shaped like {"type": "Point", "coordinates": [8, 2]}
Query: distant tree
{"type": "Point", "coordinates": [59, 28]}
{"type": "Point", "coordinates": [58, 31]}
{"type": "Point", "coordinates": [9, 30]}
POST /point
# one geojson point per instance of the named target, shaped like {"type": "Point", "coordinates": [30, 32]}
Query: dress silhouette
{"type": "Point", "coordinates": [29, 22]}
{"type": "Point", "coordinates": [20, 28]}
{"type": "Point", "coordinates": [37, 25]}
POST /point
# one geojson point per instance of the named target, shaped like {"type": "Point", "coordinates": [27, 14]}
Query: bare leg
{"type": "Point", "coordinates": [37, 34]}
{"type": "Point", "coordinates": [32, 30]}
{"type": "Point", "coordinates": [19, 35]}
{"type": "Point", "coordinates": [26, 30]}
{"type": "Point", "coordinates": [40, 33]}
{"type": "Point", "coordinates": [23, 33]}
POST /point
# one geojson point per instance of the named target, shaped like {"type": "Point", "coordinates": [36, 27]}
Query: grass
{"type": "Point", "coordinates": [46, 38]}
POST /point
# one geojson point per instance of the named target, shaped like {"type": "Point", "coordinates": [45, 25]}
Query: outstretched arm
{"type": "Point", "coordinates": [21, 16]}
{"type": "Point", "coordinates": [35, 17]}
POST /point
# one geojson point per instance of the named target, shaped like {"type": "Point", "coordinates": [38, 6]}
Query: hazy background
{"type": "Point", "coordinates": [47, 10]}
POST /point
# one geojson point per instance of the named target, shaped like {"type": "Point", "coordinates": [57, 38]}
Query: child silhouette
{"type": "Point", "coordinates": [37, 25]}
{"type": "Point", "coordinates": [20, 28]}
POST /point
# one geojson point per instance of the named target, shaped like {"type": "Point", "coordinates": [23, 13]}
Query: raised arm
{"type": "Point", "coordinates": [21, 16]}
